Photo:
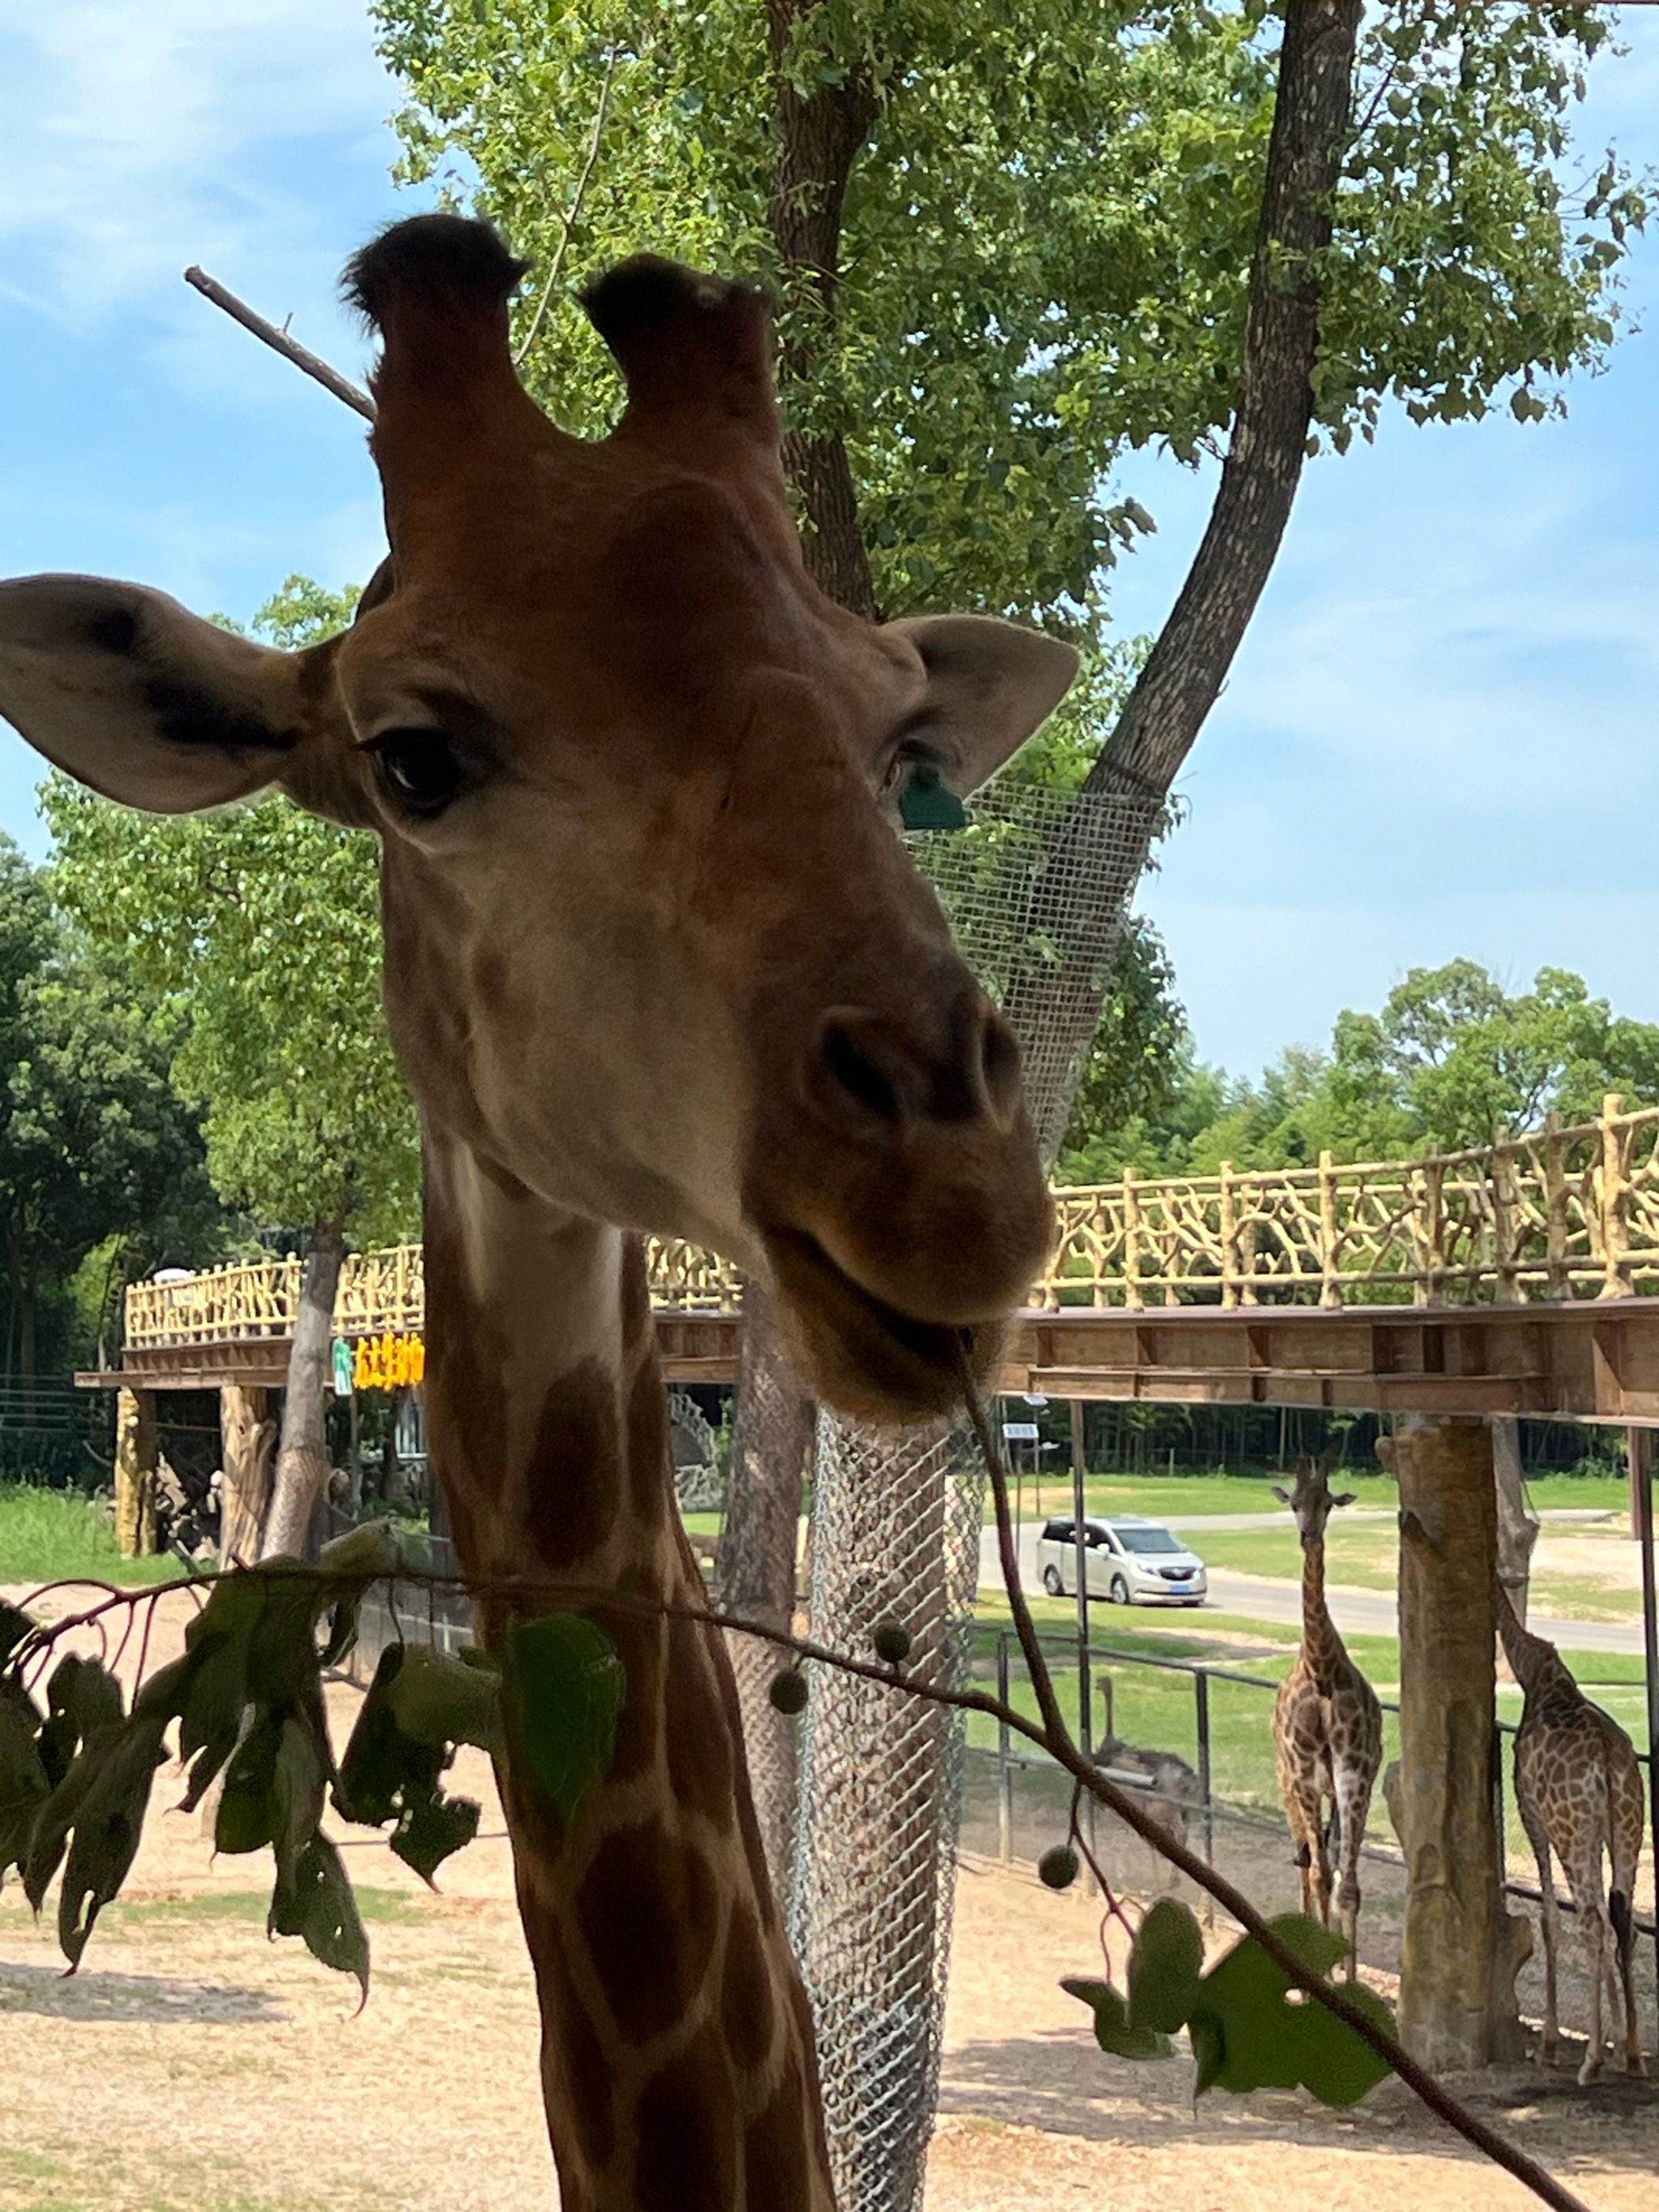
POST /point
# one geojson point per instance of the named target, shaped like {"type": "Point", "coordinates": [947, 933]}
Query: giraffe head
{"type": "Point", "coordinates": [653, 950]}
{"type": "Point", "coordinates": [1312, 1500]}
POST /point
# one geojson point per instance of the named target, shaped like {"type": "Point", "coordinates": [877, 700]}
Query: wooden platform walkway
{"type": "Point", "coordinates": [1520, 1279]}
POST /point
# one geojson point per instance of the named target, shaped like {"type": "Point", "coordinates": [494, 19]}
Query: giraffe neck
{"type": "Point", "coordinates": [1323, 1652]}
{"type": "Point", "coordinates": [1536, 1664]}
{"type": "Point", "coordinates": [677, 2050]}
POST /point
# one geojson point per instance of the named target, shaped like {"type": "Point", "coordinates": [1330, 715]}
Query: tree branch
{"type": "Point", "coordinates": [816, 137]}
{"type": "Point", "coordinates": [1052, 1736]}
{"type": "Point", "coordinates": [279, 342]}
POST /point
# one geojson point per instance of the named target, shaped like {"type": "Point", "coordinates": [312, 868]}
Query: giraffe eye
{"type": "Point", "coordinates": [420, 769]}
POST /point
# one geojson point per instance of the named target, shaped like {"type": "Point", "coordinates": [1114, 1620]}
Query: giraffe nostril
{"type": "Point", "coordinates": [857, 1073]}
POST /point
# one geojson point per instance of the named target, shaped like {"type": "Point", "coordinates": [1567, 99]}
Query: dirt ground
{"type": "Point", "coordinates": [193, 2067]}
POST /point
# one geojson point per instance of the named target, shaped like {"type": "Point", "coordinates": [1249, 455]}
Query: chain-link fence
{"type": "Point", "coordinates": [895, 1531]}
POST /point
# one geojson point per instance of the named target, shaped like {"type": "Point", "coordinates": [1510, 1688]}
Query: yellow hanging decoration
{"type": "Point", "coordinates": [389, 1362]}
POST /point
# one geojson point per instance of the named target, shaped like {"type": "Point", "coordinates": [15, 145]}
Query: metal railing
{"type": "Point", "coordinates": [1562, 1213]}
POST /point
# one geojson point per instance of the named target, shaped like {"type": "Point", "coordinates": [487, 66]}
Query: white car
{"type": "Point", "coordinates": [1128, 1558]}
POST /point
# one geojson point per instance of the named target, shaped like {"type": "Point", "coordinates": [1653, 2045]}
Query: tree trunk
{"type": "Point", "coordinates": [1517, 1531]}
{"type": "Point", "coordinates": [28, 1338]}
{"type": "Point", "coordinates": [135, 1473]}
{"type": "Point", "coordinates": [1059, 1002]}
{"type": "Point", "coordinates": [245, 1439]}
{"type": "Point", "coordinates": [816, 140]}
{"type": "Point", "coordinates": [302, 1452]}
{"type": "Point", "coordinates": [770, 1442]}
{"type": "Point", "coordinates": [1461, 1948]}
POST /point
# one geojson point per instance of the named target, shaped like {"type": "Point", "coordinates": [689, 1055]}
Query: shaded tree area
{"type": "Point", "coordinates": [1452, 1060]}
{"type": "Point", "coordinates": [102, 1168]}
{"type": "Point", "coordinates": [264, 923]}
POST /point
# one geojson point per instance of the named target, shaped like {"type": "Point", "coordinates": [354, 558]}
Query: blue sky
{"type": "Point", "coordinates": [1439, 738]}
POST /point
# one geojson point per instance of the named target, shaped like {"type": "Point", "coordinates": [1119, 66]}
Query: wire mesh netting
{"type": "Point", "coordinates": [1035, 890]}
{"type": "Point", "coordinates": [895, 1538]}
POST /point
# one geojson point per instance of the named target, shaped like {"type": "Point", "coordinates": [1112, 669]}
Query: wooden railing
{"type": "Point", "coordinates": [379, 1291]}
{"type": "Point", "coordinates": [1562, 1213]}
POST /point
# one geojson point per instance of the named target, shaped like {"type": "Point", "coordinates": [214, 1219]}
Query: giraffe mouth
{"type": "Point", "coordinates": [863, 1356]}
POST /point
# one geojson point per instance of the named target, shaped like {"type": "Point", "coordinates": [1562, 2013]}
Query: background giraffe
{"type": "Point", "coordinates": [1579, 1790]}
{"type": "Point", "coordinates": [1327, 1726]}
{"type": "Point", "coordinates": [655, 960]}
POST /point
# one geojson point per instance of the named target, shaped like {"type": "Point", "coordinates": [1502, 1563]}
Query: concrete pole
{"type": "Point", "coordinates": [1461, 1948]}
{"type": "Point", "coordinates": [246, 1439]}
{"type": "Point", "coordinates": [135, 1473]}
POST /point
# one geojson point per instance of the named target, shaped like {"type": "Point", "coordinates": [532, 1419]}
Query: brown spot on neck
{"type": "Point", "coordinates": [573, 1477]}
{"type": "Point", "coordinates": [648, 1911]}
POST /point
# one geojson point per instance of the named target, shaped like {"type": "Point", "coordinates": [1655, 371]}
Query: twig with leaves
{"type": "Point", "coordinates": [246, 1695]}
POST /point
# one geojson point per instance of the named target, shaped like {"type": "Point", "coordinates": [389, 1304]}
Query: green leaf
{"type": "Point", "coordinates": [390, 1770]}
{"type": "Point", "coordinates": [82, 1699]}
{"type": "Point", "coordinates": [298, 1776]}
{"type": "Point", "coordinates": [247, 1814]}
{"type": "Point", "coordinates": [438, 1700]}
{"type": "Point", "coordinates": [24, 1786]}
{"type": "Point", "coordinates": [108, 1824]}
{"type": "Point", "coordinates": [364, 1554]}
{"type": "Point", "coordinates": [1250, 2033]}
{"type": "Point", "coordinates": [431, 1830]}
{"type": "Point", "coordinates": [1113, 2031]}
{"type": "Point", "coordinates": [564, 1688]}
{"type": "Point", "coordinates": [14, 1626]}
{"type": "Point", "coordinates": [1164, 1966]}
{"type": "Point", "coordinates": [312, 1900]}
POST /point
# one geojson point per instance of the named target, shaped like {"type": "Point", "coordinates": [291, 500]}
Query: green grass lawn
{"type": "Point", "coordinates": [1162, 1496]}
{"type": "Point", "coordinates": [1158, 1707]}
{"type": "Point", "coordinates": [58, 1536]}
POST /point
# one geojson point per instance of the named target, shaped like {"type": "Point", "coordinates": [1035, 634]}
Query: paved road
{"type": "Point", "coordinates": [1355, 1613]}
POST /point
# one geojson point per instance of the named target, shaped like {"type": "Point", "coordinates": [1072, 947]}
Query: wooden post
{"type": "Point", "coordinates": [1131, 1296]}
{"type": "Point", "coordinates": [135, 1473]}
{"type": "Point", "coordinates": [1461, 1948]}
{"type": "Point", "coordinates": [1229, 1227]}
{"type": "Point", "coordinates": [1330, 1287]}
{"type": "Point", "coordinates": [1078, 1463]}
{"type": "Point", "coordinates": [1434, 1227]}
{"type": "Point", "coordinates": [1555, 1209]}
{"type": "Point", "coordinates": [245, 1438]}
{"type": "Point", "coordinates": [1612, 1201]}
{"type": "Point", "coordinates": [1505, 1231]}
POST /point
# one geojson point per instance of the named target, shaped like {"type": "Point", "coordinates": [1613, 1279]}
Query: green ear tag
{"type": "Point", "coordinates": [928, 804]}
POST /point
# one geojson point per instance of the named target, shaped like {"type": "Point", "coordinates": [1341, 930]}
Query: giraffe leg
{"type": "Point", "coordinates": [1629, 1812]}
{"type": "Point", "coordinates": [1585, 1883]}
{"type": "Point", "coordinates": [1354, 1805]}
{"type": "Point", "coordinates": [1309, 1842]}
{"type": "Point", "coordinates": [1537, 1836]}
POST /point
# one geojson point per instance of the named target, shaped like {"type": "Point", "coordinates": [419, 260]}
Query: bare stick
{"type": "Point", "coordinates": [279, 342]}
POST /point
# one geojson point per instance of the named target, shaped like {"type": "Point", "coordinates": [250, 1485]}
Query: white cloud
{"type": "Point", "coordinates": [139, 138]}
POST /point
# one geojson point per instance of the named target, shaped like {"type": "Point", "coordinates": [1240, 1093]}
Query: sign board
{"type": "Point", "coordinates": [343, 1368]}
{"type": "Point", "coordinates": [1020, 1432]}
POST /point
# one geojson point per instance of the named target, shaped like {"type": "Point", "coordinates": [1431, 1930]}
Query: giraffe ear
{"type": "Point", "coordinates": [1345, 1498]}
{"type": "Point", "coordinates": [990, 686]}
{"type": "Point", "coordinates": [131, 694]}
{"type": "Point", "coordinates": [1283, 1495]}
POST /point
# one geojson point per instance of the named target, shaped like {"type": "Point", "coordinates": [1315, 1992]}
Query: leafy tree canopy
{"type": "Point", "coordinates": [95, 1143]}
{"type": "Point", "coordinates": [1452, 1060]}
{"type": "Point", "coordinates": [1047, 237]}
{"type": "Point", "coordinates": [264, 923]}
